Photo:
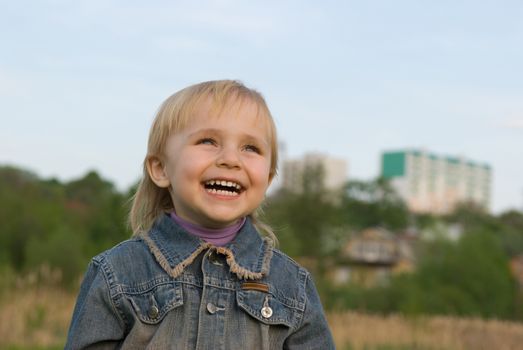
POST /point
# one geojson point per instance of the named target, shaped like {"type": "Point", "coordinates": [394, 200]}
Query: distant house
{"type": "Point", "coordinates": [372, 256]}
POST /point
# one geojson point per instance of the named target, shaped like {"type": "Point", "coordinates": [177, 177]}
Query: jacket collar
{"type": "Point", "coordinates": [248, 255]}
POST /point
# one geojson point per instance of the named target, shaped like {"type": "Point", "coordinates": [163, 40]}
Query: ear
{"type": "Point", "coordinates": [156, 171]}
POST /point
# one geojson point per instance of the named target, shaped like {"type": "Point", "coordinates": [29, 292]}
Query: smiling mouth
{"type": "Point", "coordinates": [223, 187]}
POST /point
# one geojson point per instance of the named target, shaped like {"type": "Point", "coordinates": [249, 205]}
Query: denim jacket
{"type": "Point", "coordinates": [167, 289]}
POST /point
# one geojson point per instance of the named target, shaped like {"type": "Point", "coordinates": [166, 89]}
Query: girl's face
{"type": "Point", "coordinates": [217, 168]}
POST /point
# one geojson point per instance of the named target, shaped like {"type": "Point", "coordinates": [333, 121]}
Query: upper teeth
{"type": "Point", "coordinates": [224, 183]}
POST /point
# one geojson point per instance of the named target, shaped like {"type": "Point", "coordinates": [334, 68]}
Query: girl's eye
{"type": "Point", "coordinates": [252, 148]}
{"type": "Point", "coordinates": [206, 141]}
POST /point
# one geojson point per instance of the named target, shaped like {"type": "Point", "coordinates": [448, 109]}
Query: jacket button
{"type": "Point", "coordinates": [266, 312]}
{"type": "Point", "coordinates": [211, 308]}
{"type": "Point", "coordinates": [153, 312]}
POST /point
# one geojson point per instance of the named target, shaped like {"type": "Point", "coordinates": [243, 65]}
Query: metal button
{"type": "Point", "coordinates": [211, 308]}
{"type": "Point", "coordinates": [266, 311]}
{"type": "Point", "coordinates": [153, 312]}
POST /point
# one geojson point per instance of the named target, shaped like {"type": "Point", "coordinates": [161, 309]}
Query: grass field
{"type": "Point", "coordinates": [37, 318]}
{"type": "Point", "coordinates": [362, 331]}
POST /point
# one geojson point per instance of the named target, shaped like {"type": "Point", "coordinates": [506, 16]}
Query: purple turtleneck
{"type": "Point", "coordinates": [218, 236]}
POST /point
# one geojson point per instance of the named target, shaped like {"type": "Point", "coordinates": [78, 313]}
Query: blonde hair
{"type": "Point", "coordinates": [151, 201]}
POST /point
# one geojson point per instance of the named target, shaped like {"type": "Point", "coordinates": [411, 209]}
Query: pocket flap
{"type": "Point", "coordinates": [152, 305]}
{"type": "Point", "coordinates": [254, 302]}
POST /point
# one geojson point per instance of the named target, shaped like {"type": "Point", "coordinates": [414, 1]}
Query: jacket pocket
{"type": "Point", "coordinates": [151, 305]}
{"type": "Point", "coordinates": [267, 308]}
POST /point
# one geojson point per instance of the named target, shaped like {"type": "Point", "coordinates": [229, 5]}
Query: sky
{"type": "Point", "coordinates": [80, 81]}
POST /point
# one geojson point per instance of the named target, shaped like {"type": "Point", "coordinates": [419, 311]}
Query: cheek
{"type": "Point", "coordinates": [260, 171]}
{"type": "Point", "coordinates": [181, 173]}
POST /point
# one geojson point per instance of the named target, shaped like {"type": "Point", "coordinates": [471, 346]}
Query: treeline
{"type": "Point", "coordinates": [470, 276]}
{"type": "Point", "coordinates": [63, 224]}
{"type": "Point", "coordinates": [60, 225]}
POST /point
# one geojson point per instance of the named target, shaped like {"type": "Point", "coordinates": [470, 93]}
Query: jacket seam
{"type": "Point", "coordinates": [285, 256]}
{"type": "Point", "coordinates": [301, 314]}
{"type": "Point", "coordinates": [108, 278]}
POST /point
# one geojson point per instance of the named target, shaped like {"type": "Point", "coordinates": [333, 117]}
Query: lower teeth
{"type": "Point", "coordinates": [222, 192]}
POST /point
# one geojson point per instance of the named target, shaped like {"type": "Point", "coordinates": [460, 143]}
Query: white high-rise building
{"type": "Point", "coordinates": [431, 183]}
{"type": "Point", "coordinates": [335, 171]}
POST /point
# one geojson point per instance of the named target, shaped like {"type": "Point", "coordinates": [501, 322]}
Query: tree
{"type": "Point", "coordinates": [511, 232]}
{"type": "Point", "coordinates": [45, 222]}
{"type": "Point", "coordinates": [462, 278]}
{"type": "Point", "coordinates": [30, 207]}
{"type": "Point", "coordinates": [99, 209]}
{"type": "Point", "coordinates": [374, 203]}
{"type": "Point", "coordinates": [305, 217]}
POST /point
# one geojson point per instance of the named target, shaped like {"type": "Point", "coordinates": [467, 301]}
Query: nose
{"type": "Point", "coordinates": [228, 158]}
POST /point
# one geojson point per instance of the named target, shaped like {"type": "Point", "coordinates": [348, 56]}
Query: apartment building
{"type": "Point", "coordinates": [431, 183]}
{"type": "Point", "coordinates": [334, 171]}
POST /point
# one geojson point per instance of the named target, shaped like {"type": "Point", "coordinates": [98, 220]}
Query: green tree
{"type": "Point", "coordinates": [462, 278]}
{"type": "Point", "coordinates": [511, 232]}
{"type": "Point", "coordinates": [374, 203]}
{"type": "Point", "coordinates": [305, 217]}
{"type": "Point", "coordinates": [59, 250]}
{"type": "Point", "coordinates": [99, 209]}
{"type": "Point", "coordinates": [60, 225]}
{"type": "Point", "coordinates": [30, 207]}
{"type": "Point", "coordinates": [469, 278]}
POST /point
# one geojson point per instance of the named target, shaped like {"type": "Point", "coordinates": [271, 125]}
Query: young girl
{"type": "Point", "coordinates": [197, 274]}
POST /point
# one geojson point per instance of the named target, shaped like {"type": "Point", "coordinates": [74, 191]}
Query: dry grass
{"type": "Point", "coordinates": [363, 331]}
{"type": "Point", "coordinates": [35, 314]}
{"type": "Point", "coordinates": [38, 317]}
